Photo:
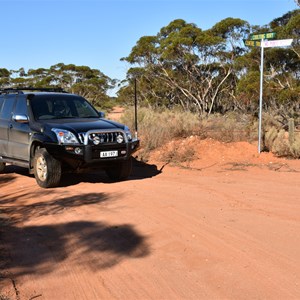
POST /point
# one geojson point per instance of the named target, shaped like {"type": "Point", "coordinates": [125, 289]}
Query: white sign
{"type": "Point", "coordinates": [276, 43]}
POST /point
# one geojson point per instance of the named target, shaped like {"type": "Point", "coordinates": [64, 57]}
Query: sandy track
{"type": "Point", "coordinates": [224, 232]}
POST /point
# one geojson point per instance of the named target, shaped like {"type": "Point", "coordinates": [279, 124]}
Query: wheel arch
{"type": "Point", "coordinates": [35, 145]}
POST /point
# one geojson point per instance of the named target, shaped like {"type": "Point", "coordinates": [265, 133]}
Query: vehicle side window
{"type": "Point", "coordinates": [1, 103]}
{"type": "Point", "coordinates": [7, 108]}
{"type": "Point", "coordinates": [21, 107]}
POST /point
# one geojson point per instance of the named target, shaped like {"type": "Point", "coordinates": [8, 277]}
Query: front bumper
{"type": "Point", "coordinates": [88, 156]}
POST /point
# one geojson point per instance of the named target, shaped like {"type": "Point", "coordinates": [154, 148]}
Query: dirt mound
{"type": "Point", "coordinates": [194, 152]}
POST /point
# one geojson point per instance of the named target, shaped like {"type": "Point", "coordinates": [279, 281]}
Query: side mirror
{"type": "Point", "coordinates": [20, 118]}
{"type": "Point", "coordinates": [101, 114]}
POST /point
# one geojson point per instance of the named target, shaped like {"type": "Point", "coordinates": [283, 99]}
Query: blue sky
{"type": "Point", "coordinates": [97, 33]}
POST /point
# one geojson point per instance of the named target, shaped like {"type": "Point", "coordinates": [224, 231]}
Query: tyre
{"type": "Point", "coordinates": [47, 170]}
{"type": "Point", "coordinates": [2, 167]}
{"type": "Point", "coordinates": [120, 171]}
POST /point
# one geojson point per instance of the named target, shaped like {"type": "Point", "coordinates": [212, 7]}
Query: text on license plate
{"type": "Point", "coordinates": [113, 153]}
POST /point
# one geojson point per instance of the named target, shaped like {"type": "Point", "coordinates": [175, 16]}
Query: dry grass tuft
{"type": "Point", "coordinates": [158, 128]}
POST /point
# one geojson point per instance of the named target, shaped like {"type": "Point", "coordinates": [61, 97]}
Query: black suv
{"type": "Point", "coordinates": [50, 132]}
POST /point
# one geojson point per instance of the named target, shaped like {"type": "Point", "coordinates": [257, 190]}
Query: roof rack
{"type": "Point", "coordinates": [21, 90]}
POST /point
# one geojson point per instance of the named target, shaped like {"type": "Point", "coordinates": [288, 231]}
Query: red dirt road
{"type": "Point", "coordinates": [227, 229]}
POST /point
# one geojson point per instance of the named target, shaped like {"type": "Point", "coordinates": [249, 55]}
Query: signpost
{"type": "Point", "coordinates": [263, 36]}
{"type": "Point", "coordinates": [252, 43]}
{"type": "Point", "coordinates": [277, 43]}
{"type": "Point", "coordinates": [260, 96]}
{"type": "Point", "coordinates": [261, 40]}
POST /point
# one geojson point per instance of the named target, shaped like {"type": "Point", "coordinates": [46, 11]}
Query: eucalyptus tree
{"type": "Point", "coordinates": [283, 65]}
{"type": "Point", "coordinates": [83, 80]}
{"type": "Point", "coordinates": [4, 77]}
{"type": "Point", "coordinates": [184, 65]}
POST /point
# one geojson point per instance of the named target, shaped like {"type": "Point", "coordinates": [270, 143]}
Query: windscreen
{"type": "Point", "coordinates": [47, 107]}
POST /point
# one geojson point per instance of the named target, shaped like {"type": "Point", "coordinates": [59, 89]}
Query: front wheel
{"type": "Point", "coordinates": [120, 171]}
{"type": "Point", "coordinates": [47, 170]}
{"type": "Point", "coordinates": [2, 167]}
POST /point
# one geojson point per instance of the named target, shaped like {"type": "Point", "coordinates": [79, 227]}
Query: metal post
{"type": "Point", "coordinates": [135, 109]}
{"type": "Point", "coordinates": [261, 95]}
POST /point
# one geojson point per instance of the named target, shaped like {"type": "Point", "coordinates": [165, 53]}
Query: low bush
{"type": "Point", "coordinates": [283, 143]}
{"type": "Point", "coordinates": [295, 148]}
{"type": "Point", "coordinates": [280, 145]}
{"type": "Point", "coordinates": [270, 136]}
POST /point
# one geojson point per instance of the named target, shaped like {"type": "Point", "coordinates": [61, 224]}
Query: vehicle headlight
{"type": "Point", "coordinates": [65, 136]}
{"type": "Point", "coordinates": [128, 133]}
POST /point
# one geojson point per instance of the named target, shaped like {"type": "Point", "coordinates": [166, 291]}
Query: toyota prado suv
{"type": "Point", "coordinates": [51, 132]}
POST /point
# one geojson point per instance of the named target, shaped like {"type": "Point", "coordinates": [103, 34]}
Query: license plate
{"type": "Point", "coordinates": [105, 154]}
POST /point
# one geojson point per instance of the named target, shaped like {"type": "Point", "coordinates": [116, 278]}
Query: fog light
{"type": "Point", "coordinates": [123, 152]}
{"type": "Point", "coordinates": [78, 150]}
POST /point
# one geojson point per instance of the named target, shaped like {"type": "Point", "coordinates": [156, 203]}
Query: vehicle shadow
{"type": "Point", "coordinates": [11, 169]}
{"type": "Point", "coordinates": [140, 170]}
{"type": "Point", "coordinates": [36, 249]}
{"type": "Point", "coordinates": [143, 170]}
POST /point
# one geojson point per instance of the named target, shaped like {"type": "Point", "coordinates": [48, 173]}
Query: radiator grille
{"type": "Point", "coordinates": [100, 138]}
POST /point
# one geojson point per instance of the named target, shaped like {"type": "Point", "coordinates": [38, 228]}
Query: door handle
{"type": "Point", "coordinates": [11, 126]}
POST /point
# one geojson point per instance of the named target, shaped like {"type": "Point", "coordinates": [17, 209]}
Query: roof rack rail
{"type": "Point", "coordinates": [20, 90]}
